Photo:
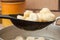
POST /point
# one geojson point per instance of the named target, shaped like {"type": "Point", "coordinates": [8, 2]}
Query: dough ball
{"type": "Point", "coordinates": [20, 17]}
{"type": "Point", "coordinates": [32, 17]}
{"type": "Point", "coordinates": [45, 10]}
{"type": "Point", "coordinates": [45, 15]}
{"type": "Point", "coordinates": [39, 17]}
{"type": "Point", "coordinates": [27, 13]}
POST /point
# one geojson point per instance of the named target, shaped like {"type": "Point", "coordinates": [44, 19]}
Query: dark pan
{"type": "Point", "coordinates": [27, 25]}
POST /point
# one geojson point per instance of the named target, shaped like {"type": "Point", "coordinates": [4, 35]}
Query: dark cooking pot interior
{"type": "Point", "coordinates": [27, 25]}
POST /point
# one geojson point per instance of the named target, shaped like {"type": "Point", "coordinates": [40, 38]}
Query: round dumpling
{"type": "Point", "coordinates": [39, 17]}
{"type": "Point", "coordinates": [20, 17]}
{"type": "Point", "coordinates": [45, 15]}
{"type": "Point", "coordinates": [49, 17]}
{"type": "Point", "coordinates": [45, 10]}
{"type": "Point", "coordinates": [32, 17]}
{"type": "Point", "coordinates": [27, 13]}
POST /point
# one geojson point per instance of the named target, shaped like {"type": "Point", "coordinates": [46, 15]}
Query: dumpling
{"type": "Point", "coordinates": [27, 13]}
{"type": "Point", "coordinates": [32, 17]}
{"type": "Point", "coordinates": [20, 17]}
{"type": "Point", "coordinates": [45, 15]}
{"type": "Point", "coordinates": [39, 17]}
{"type": "Point", "coordinates": [45, 10]}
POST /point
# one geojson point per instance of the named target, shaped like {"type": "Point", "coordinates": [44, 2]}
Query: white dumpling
{"type": "Point", "coordinates": [50, 17]}
{"type": "Point", "coordinates": [19, 38]}
{"type": "Point", "coordinates": [30, 38]}
{"type": "Point", "coordinates": [39, 17]}
{"type": "Point", "coordinates": [46, 15]}
{"type": "Point", "coordinates": [45, 10]}
{"type": "Point", "coordinates": [32, 17]}
{"type": "Point", "coordinates": [20, 17]}
{"type": "Point", "coordinates": [27, 13]}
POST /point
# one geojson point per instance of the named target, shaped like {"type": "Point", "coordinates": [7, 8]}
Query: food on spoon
{"type": "Point", "coordinates": [20, 17]}
{"type": "Point", "coordinates": [27, 13]}
{"type": "Point", "coordinates": [32, 17]}
{"type": "Point", "coordinates": [45, 15]}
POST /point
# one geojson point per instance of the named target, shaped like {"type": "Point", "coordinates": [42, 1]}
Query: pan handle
{"type": "Point", "coordinates": [58, 18]}
{"type": "Point", "coordinates": [6, 17]}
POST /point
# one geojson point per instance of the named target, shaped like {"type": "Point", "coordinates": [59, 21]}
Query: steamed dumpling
{"type": "Point", "coordinates": [45, 15]}
{"type": "Point", "coordinates": [45, 10]}
{"type": "Point", "coordinates": [32, 17]}
{"type": "Point", "coordinates": [39, 17]}
{"type": "Point", "coordinates": [27, 13]}
{"type": "Point", "coordinates": [20, 17]}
